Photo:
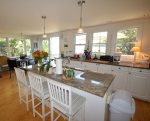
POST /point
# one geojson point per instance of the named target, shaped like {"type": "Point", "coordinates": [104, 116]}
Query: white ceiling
{"type": "Point", "coordinates": [24, 16]}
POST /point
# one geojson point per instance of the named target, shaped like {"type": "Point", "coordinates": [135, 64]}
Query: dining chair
{"type": "Point", "coordinates": [39, 89]}
{"type": "Point", "coordinates": [23, 86]}
{"type": "Point", "coordinates": [11, 64]}
{"type": "Point", "coordinates": [65, 101]}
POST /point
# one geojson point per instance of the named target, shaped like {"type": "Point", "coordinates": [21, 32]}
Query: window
{"type": "Point", "coordinates": [45, 45]}
{"type": "Point", "coordinates": [28, 46]}
{"type": "Point", "coordinates": [16, 47]}
{"type": "Point", "coordinates": [54, 47]}
{"type": "Point", "coordinates": [126, 40]}
{"type": "Point", "coordinates": [80, 41]}
{"type": "Point", "coordinates": [99, 43]}
{"type": "Point", "coordinates": [3, 47]}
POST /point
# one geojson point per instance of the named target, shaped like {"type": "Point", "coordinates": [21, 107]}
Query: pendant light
{"type": "Point", "coordinates": [80, 29]}
{"type": "Point", "coordinates": [44, 35]}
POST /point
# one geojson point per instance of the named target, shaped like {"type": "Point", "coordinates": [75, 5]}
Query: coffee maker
{"type": "Point", "coordinates": [116, 56]}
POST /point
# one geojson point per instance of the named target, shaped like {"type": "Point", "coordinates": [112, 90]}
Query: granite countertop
{"type": "Point", "coordinates": [125, 64]}
{"type": "Point", "coordinates": [91, 82]}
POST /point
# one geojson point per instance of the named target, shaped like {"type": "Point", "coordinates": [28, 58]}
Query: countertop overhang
{"type": "Point", "coordinates": [91, 82]}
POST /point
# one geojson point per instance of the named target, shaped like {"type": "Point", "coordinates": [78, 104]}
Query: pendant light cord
{"type": "Point", "coordinates": [44, 17]}
{"type": "Point", "coordinates": [81, 16]}
{"type": "Point", "coordinates": [44, 26]}
{"type": "Point", "coordinates": [80, 3]}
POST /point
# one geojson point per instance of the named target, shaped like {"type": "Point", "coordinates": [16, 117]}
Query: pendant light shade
{"type": "Point", "coordinates": [44, 35]}
{"type": "Point", "coordinates": [80, 29]}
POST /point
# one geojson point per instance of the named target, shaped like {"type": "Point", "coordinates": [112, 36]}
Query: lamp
{"type": "Point", "coordinates": [80, 29]}
{"type": "Point", "coordinates": [44, 35]}
{"type": "Point", "coordinates": [135, 50]}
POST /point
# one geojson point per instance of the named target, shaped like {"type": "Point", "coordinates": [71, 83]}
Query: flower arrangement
{"type": "Point", "coordinates": [38, 54]}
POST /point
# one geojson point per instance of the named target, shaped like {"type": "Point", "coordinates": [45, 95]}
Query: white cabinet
{"type": "Point", "coordinates": [103, 68]}
{"type": "Point", "coordinates": [121, 77]}
{"type": "Point", "coordinates": [148, 87]}
{"type": "Point", "coordinates": [90, 66]}
{"type": "Point", "coordinates": [139, 83]}
{"type": "Point", "coordinates": [134, 80]}
{"type": "Point", "coordinates": [76, 64]}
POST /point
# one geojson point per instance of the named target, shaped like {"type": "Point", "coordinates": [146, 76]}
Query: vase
{"type": "Point", "coordinates": [39, 62]}
{"type": "Point", "coordinates": [50, 71]}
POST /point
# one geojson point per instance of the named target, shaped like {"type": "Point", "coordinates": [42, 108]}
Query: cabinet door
{"type": "Point", "coordinates": [103, 68]}
{"type": "Point", "coordinates": [76, 64]}
{"type": "Point", "coordinates": [121, 77]}
{"type": "Point", "coordinates": [139, 83]}
{"type": "Point", "coordinates": [89, 66]}
{"type": "Point", "coordinates": [148, 88]}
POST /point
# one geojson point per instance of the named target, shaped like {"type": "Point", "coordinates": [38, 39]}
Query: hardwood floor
{"type": "Point", "coordinates": [11, 110]}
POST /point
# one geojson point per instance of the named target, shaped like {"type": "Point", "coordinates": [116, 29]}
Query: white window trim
{"type": "Point", "coordinates": [138, 37]}
{"type": "Point", "coordinates": [79, 44]}
{"type": "Point", "coordinates": [99, 43]}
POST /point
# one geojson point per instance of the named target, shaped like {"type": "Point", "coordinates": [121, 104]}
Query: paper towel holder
{"type": "Point", "coordinates": [59, 69]}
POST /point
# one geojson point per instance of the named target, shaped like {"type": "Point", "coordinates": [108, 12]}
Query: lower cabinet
{"type": "Point", "coordinates": [76, 64]}
{"type": "Point", "coordinates": [121, 77]}
{"type": "Point", "coordinates": [90, 66]}
{"type": "Point", "coordinates": [103, 68]}
{"type": "Point", "coordinates": [139, 83]}
{"type": "Point", "coordinates": [134, 80]}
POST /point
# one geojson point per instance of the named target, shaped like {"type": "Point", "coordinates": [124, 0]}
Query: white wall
{"type": "Point", "coordinates": [67, 37]}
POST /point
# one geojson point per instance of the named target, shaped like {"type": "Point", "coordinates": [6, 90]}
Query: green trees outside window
{"type": "Point", "coordinates": [14, 46]}
{"type": "Point", "coordinates": [3, 47]}
{"type": "Point", "coordinates": [45, 45]}
{"type": "Point", "coordinates": [126, 40]}
{"type": "Point", "coordinates": [28, 46]}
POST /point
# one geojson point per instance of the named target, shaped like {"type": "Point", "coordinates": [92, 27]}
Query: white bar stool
{"type": "Point", "coordinates": [39, 88]}
{"type": "Point", "coordinates": [65, 101]}
{"type": "Point", "coordinates": [23, 86]}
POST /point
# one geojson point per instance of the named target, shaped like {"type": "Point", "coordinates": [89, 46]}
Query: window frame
{"type": "Point", "coordinates": [100, 43]}
{"type": "Point", "coordinates": [51, 56]}
{"type": "Point", "coordinates": [79, 44]}
{"type": "Point", "coordinates": [137, 40]}
{"type": "Point", "coordinates": [18, 39]}
{"type": "Point", "coordinates": [48, 44]}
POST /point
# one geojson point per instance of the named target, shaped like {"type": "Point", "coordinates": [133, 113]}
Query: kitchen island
{"type": "Point", "coordinates": [93, 86]}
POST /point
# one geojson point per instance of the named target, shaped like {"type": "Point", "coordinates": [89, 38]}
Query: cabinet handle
{"type": "Point", "coordinates": [140, 71]}
{"type": "Point", "coordinates": [129, 73]}
{"type": "Point", "coordinates": [119, 68]}
{"type": "Point", "coordinates": [112, 70]}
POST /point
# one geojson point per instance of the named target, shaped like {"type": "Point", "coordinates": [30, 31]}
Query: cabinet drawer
{"type": "Point", "coordinates": [119, 68]}
{"type": "Point", "coordinates": [138, 70]}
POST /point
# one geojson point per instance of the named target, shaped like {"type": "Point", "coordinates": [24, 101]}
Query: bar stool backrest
{"type": "Point", "coordinates": [21, 77]}
{"type": "Point", "coordinates": [60, 94]}
{"type": "Point", "coordinates": [36, 83]}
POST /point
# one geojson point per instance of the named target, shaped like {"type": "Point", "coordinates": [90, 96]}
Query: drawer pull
{"type": "Point", "coordinates": [140, 71]}
{"type": "Point", "coordinates": [129, 72]}
{"type": "Point", "coordinates": [112, 70]}
{"type": "Point", "coordinates": [119, 68]}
